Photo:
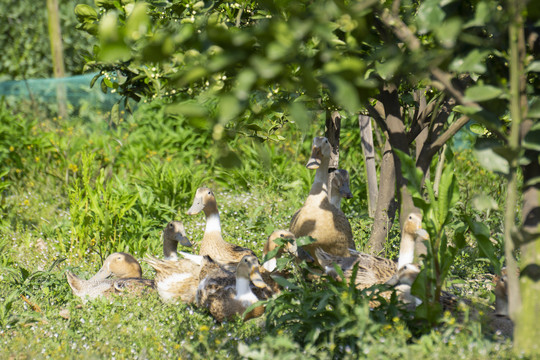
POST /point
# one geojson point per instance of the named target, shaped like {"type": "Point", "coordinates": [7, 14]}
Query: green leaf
{"type": "Point", "coordinates": [478, 129]}
{"type": "Point", "coordinates": [285, 283]}
{"type": "Point", "coordinates": [300, 116]}
{"type": "Point", "coordinates": [387, 69]}
{"type": "Point", "coordinates": [448, 194]}
{"type": "Point", "coordinates": [448, 32]}
{"type": "Point", "coordinates": [343, 93]}
{"type": "Point", "coordinates": [482, 93]}
{"type": "Point", "coordinates": [534, 109]}
{"type": "Point", "coordinates": [534, 66]}
{"type": "Point", "coordinates": [85, 13]}
{"type": "Point", "coordinates": [474, 62]}
{"type": "Point", "coordinates": [305, 240]}
{"type": "Point", "coordinates": [482, 234]}
{"type": "Point", "coordinates": [483, 202]}
{"type": "Point", "coordinates": [481, 115]}
{"type": "Point", "coordinates": [532, 138]}
{"type": "Point", "coordinates": [429, 16]}
{"type": "Point", "coordinates": [488, 158]}
{"type": "Point", "coordinates": [229, 108]}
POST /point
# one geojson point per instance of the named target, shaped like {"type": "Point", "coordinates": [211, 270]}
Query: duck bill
{"type": "Point", "coordinates": [256, 278]}
{"type": "Point", "coordinates": [196, 208]}
{"type": "Point", "coordinates": [345, 191]}
{"type": "Point", "coordinates": [183, 240]}
{"type": "Point", "coordinates": [316, 158]}
{"type": "Point", "coordinates": [422, 234]}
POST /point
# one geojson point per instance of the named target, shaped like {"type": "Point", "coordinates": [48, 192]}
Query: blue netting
{"type": "Point", "coordinates": [77, 91]}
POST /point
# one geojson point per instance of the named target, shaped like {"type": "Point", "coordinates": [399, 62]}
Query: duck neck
{"type": "Point", "coordinates": [243, 290]}
{"type": "Point", "coordinates": [319, 189]}
{"type": "Point", "coordinates": [335, 198]}
{"type": "Point", "coordinates": [501, 306]}
{"type": "Point", "coordinates": [170, 248]}
{"type": "Point", "coordinates": [213, 223]}
{"type": "Point", "coordinates": [406, 250]}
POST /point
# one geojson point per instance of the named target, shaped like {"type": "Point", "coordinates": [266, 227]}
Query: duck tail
{"type": "Point", "coordinates": [75, 282]}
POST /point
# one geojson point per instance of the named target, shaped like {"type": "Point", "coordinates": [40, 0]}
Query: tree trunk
{"type": "Point", "coordinates": [369, 160]}
{"type": "Point", "coordinates": [333, 129]}
{"type": "Point", "coordinates": [55, 35]}
{"type": "Point", "coordinates": [386, 204]}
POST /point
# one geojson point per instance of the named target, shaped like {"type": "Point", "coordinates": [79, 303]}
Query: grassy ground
{"type": "Point", "coordinates": [73, 191]}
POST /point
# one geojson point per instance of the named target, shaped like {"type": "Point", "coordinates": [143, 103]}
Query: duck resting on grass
{"type": "Point", "coordinates": [375, 269]}
{"type": "Point", "coordinates": [212, 243]}
{"type": "Point", "coordinates": [290, 246]}
{"type": "Point", "coordinates": [127, 278]}
{"type": "Point", "coordinates": [226, 294]}
{"type": "Point", "coordinates": [175, 279]}
{"type": "Point", "coordinates": [173, 234]}
{"type": "Point", "coordinates": [318, 218]}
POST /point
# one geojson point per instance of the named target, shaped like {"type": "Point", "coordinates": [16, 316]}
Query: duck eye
{"type": "Point", "coordinates": [281, 235]}
{"type": "Point", "coordinates": [209, 193]}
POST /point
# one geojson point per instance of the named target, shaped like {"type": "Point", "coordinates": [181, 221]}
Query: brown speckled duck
{"type": "Point", "coordinates": [173, 234]}
{"type": "Point", "coordinates": [212, 243]}
{"type": "Point", "coordinates": [318, 218]}
{"type": "Point", "coordinates": [127, 274]}
{"type": "Point", "coordinates": [226, 294]}
{"type": "Point", "coordinates": [340, 187]}
{"type": "Point", "coordinates": [175, 279]}
{"type": "Point", "coordinates": [375, 269]}
{"type": "Point", "coordinates": [500, 321]}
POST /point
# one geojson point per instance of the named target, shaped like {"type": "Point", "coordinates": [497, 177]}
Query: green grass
{"type": "Point", "coordinates": [73, 191]}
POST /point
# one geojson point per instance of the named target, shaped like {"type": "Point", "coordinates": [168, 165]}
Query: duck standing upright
{"type": "Point", "coordinates": [318, 218]}
{"type": "Point", "coordinates": [212, 243]}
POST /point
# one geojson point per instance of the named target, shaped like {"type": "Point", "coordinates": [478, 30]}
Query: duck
{"type": "Point", "coordinates": [213, 243]}
{"type": "Point", "coordinates": [499, 321]}
{"type": "Point", "coordinates": [173, 234]}
{"type": "Point", "coordinates": [120, 273]}
{"type": "Point", "coordinates": [340, 187]}
{"type": "Point", "coordinates": [175, 279]}
{"type": "Point", "coordinates": [226, 294]}
{"type": "Point", "coordinates": [375, 269]}
{"type": "Point", "coordinates": [289, 246]}
{"type": "Point", "coordinates": [318, 218]}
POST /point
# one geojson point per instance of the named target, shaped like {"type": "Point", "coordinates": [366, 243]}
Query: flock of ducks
{"type": "Point", "coordinates": [227, 279]}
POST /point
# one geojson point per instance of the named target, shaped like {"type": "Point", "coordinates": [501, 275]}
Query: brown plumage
{"type": "Point", "coordinates": [500, 321]}
{"type": "Point", "coordinates": [226, 294]}
{"type": "Point", "coordinates": [375, 269]}
{"type": "Point", "coordinates": [175, 279]}
{"type": "Point", "coordinates": [318, 218]}
{"type": "Point", "coordinates": [212, 243]}
{"type": "Point", "coordinates": [120, 274]}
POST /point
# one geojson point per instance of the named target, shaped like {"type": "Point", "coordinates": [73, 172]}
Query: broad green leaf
{"type": "Point", "coordinates": [387, 68]}
{"type": "Point", "coordinates": [188, 109]}
{"type": "Point", "coordinates": [300, 116]}
{"type": "Point", "coordinates": [305, 240]}
{"type": "Point", "coordinates": [534, 109]}
{"type": "Point", "coordinates": [483, 202]}
{"type": "Point", "coordinates": [532, 139]}
{"type": "Point", "coordinates": [482, 234]}
{"type": "Point", "coordinates": [429, 16]}
{"type": "Point", "coordinates": [459, 236]}
{"type": "Point", "coordinates": [482, 92]}
{"type": "Point", "coordinates": [448, 194]}
{"type": "Point", "coordinates": [534, 66]}
{"type": "Point", "coordinates": [85, 13]}
{"type": "Point", "coordinates": [112, 52]}
{"type": "Point", "coordinates": [343, 93]}
{"type": "Point", "coordinates": [481, 16]}
{"type": "Point", "coordinates": [285, 283]}
{"type": "Point", "coordinates": [474, 62]}
{"type": "Point", "coordinates": [478, 129]}
{"type": "Point", "coordinates": [229, 108]}
{"type": "Point", "coordinates": [448, 32]}
{"type": "Point", "coordinates": [488, 158]}
{"type": "Point", "coordinates": [229, 160]}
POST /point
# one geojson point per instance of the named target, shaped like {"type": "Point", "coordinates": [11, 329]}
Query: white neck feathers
{"type": "Point", "coordinates": [213, 223]}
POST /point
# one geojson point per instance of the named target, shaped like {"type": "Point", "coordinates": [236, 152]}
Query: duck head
{"type": "Point", "coordinates": [248, 268]}
{"type": "Point", "coordinates": [320, 150]}
{"type": "Point", "coordinates": [175, 231]}
{"type": "Point", "coordinates": [120, 265]}
{"type": "Point", "coordinates": [341, 184]}
{"type": "Point", "coordinates": [405, 275]}
{"type": "Point", "coordinates": [204, 200]}
{"type": "Point", "coordinates": [290, 246]}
